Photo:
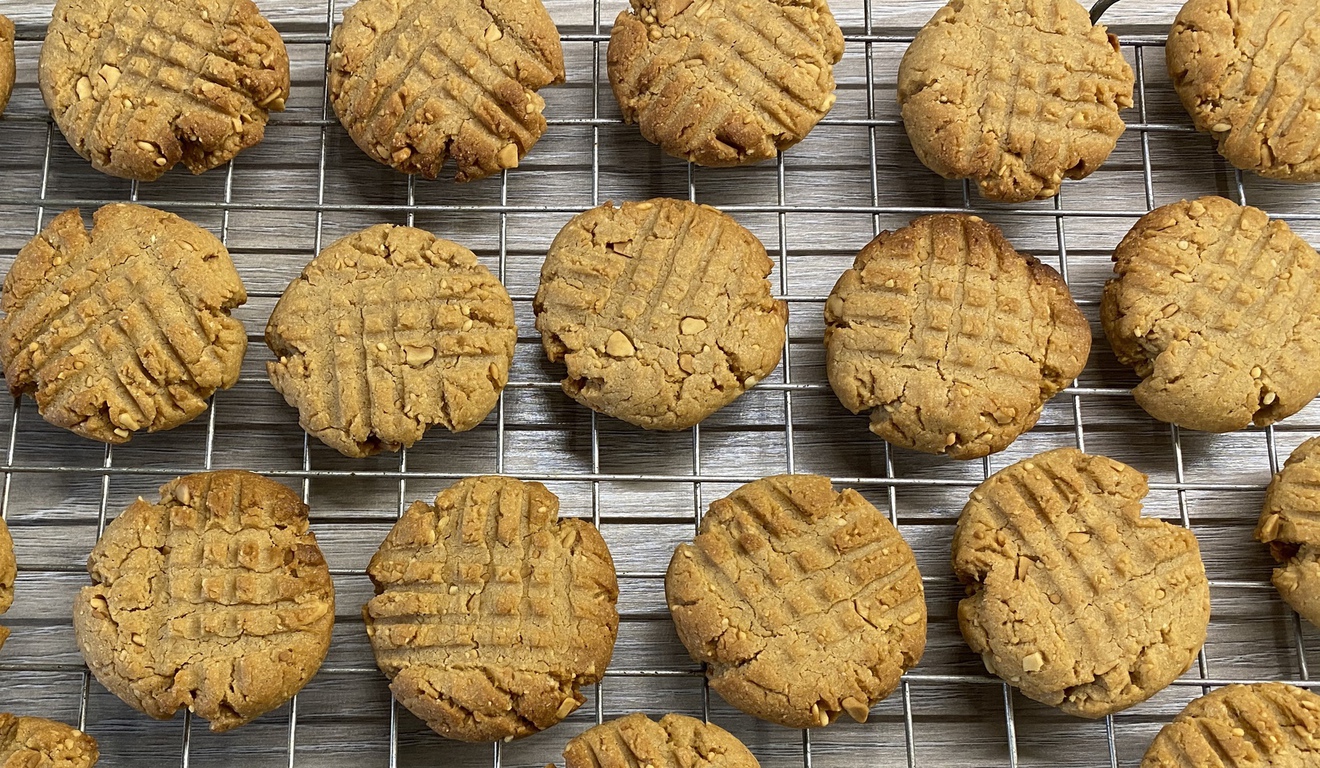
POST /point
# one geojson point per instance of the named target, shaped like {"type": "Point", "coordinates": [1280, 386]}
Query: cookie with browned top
{"type": "Point", "coordinates": [675, 741]}
{"type": "Point", "coordinates": [1290, 525]}
{"type": "Point", "coordinates": [1263, 725]}
{"type": "Point", "coordinates": [6, 61]}
{"type": "Point", "coordinates": [35, 742]}
{"type": "Point", "coordinates": [8, 573]}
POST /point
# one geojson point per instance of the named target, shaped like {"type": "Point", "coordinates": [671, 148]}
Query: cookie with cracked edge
{"type": "Point", "coordinates": [6, 61]}
{"type": "Point", "coordinates": [660, 310]}
{"type": "Point", "coordinates": [417, 83]}
{"type": "Point", "coordinates": [950, 338]}
{"type": "Point", "coordinates": [1215, 306]}
{"type": "Point", "coordinates": [35, 742]}
{"type": "Point", "coordinates": [123, 328]}
{"type": "Point", "coordinates": [490, 611]}
{"type": "Point", "coordinates": [1244, 71]}
{"type": "Point", "coordinates": [215, 598]}
{"type": "Point", "coordinates": [1016, 95]}
{"type": "Point", "coordinates": [389, 331]}
{"type": "Point", "coordinates": [138, 86]}
{"type": "Point", "coordinates": [1073, 597]}
{"type": "Point", "coordinates": [1263, 725]}
{"type": "Point", "coordinates": [1290, 525]}
{"type": "Point", "coordinates": [803, 602]}
{"type": "Point", "coordinates": [675, 741]}
{"type": "Point", "coordinates": [724, 82]}
{"type": "Point", "coordinates": [8, 573]}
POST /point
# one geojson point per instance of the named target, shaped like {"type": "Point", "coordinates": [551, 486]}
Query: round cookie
{"type": "Point", "coordinates": [803, 603]}
{"type": "Point", "coordinates": [1014, 94]}
{"type": "Point", "coordinates": [8, 573]}
{"type": "Point", "coordinates": [1216, 308]}
{"type": "Point", "coordinates": [490, 612]}
{"type": "Point", "coordinates": [215, 598]}
{"type": "Point", "coordinates": [1264, 725]}
{"type": "Point", "coordinates": [6, 61]}
{"type": "Point", "coordinates": [389, 331]}
{"type": "Point", "coordinates": [724, 82]}
{"type": "Point", "coordinates": [35, 742]}
{"type": "Point", "coordinates": [137, 87]}
{"type": "Point", "coordinates": [415, 83]}
{"type": "Point", "coordinates": [660, 310]}
{"type": "Point", "coordinates": [1073, 597]}
{"type": "Point", "coordinates": [676, 741]}
{"type": "Point", "coordinates": [1244, 71]}
{"type": "Point", "coordinates": [122, 328]}
{"type": "Point", "coordinates": [1290, 525]}
{"type": "Point", "coordinates": [950, 338]}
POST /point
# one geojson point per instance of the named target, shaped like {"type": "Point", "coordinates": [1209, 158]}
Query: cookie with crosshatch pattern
{"type": "Point", "coordinates": [1014, 94]}
{"type": "Point", "coordinates": [950, 338]}
{"type": "Point", "coordinates": [675, 741]}
{"type": "Point", "coordinates": [490, 611]}
{"type": "Point", "coordinates": [1262, 725]}
{"type": "Point", "coordinates": [803, 602]}
{"type": "Point", "coordinates": [35, 742]}
{"type": "Point", "coordinates": [215, 598]}
{"type": "Point", "coordinates": [1073, 597]}
{"type": "Point", "coordinates": [6, 61]}
{"type": "Point", "coordinates": [1290, 525]}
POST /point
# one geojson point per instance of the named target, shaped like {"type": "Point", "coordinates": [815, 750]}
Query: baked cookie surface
{"type": "Point", "coordinates": [1265, 725]}
{"type": "Point", "coordinates": [123, 328]}
{"type": "Point", "coordinates": [1215, 306]}
{"type": "Point", "coordinates": [389, 331]}
{"type": "Point", "coordinates": [660, 310]}
{"type": "Point", "coordinates": [215, 598]}
{"type": "Point", "coordinates": [35, 742]}
{"type": "Point", "coordinates": [1014, 94]}
{"type": "Point", "coordinates": [675, 741]}
{"type": "Point", "coordinates": [804, 603]}
{"type": "Point", "coordinates": [724, 82]}
{"type": "Point", "coordinates": [491, 612]}
{"type": "Point", "coordinates": [137, 87]}
{"type": "Point", "coordinates": [1290, 525]}
{"type": "Point", "coordinates": [416, 83]}
{"type": "Point", "coordinates": [1244, 71]}
{"type": "Point", "coordinates": [6, 61]}
{"type": "Point", "coordinates": [1074, 598]}
{"type": "Point", "coordinates": [950, 338]}
{"type": "Point", "coordinates": [8, 574]}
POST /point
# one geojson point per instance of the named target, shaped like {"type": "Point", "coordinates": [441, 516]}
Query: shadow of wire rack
{"type": "Point", "coordinates": [306, 185]}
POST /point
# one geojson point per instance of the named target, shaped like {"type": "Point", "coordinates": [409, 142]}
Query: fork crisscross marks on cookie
{"type": "Point", "coordinates": [804, 602]}
{"type": "Point", "coordinates": [416, 83]}
{"type": "Point", "coordinates": [215, 598]}
{"type": "Point", "coordinates": [491, 612]}
{"type": "Point", "coordinates": [1074, 597]}
{"type": "Point", "coordinates": [675, 741]}
{"type": "Point", "coordinates": [122, 328]}
{"type": "Point", "coordinates": [1263, 725]}
{"type": "Point", "coordinates": [138, 86]}
{"type": "Point", "coordinates": [1290, 525]}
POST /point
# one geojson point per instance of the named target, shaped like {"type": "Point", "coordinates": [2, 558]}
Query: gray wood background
{"type": "Point", "coordinates": [274, 206]}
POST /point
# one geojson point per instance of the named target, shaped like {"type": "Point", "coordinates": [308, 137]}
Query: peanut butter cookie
{"type": "Point", "coordinates": [8, 573]}
{"type": "Point", "coordinates": [137, 86]}
{"type": "Point", "coordinates": [1216, 308]}
{"type": "Point", "coordinates": [1265, 725]}
{"type": "Point", "coordinates": [676, 741]}
{"type": "Point", "coordinates": [1290, 525]}
{"type": "Point", "coordinates": [215, 598]}
{"type": "Point", "coordinates": [1014, 94]}
{"type": "Point", "coordinates": [6, 61]}
{"type": "Point", "coordinates": [35, 742]}
{"type": "Point", "coordinates": [950, 338]}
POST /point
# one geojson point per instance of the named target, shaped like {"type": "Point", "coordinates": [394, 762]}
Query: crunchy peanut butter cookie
{"type": "Point", "coordinates": [6, 61]}
{"type": "Point", "coordinates": [1290, 525]}
{"type": "Point", "coordinates": [1245, 72]}
{"type": "Point", "coordinates": [1216, 308]}
{"type": "Point", "coordinates": [491, 612]}
{"type": "Point", "coordinates": [660, 310]}
{"type": "Point", "coordinates": [724, 82]}
{"type": "Point", "coordinates": [1265, 725]}
{"type": "Point", "coordinates": [1014, 94]}
{"type": "Point", "coordinates": [676, 741]}
{"type": "Point", "coordinates": [215, 598]}
{"type": "Point", "coordinates": [950, 338]}
{"type": "Point", "coordinates": [35, 742]}
{"type": "Point", "coordinates": [416, 83]}
{"type": "Point", "coordinates": [8, 573]}
{"type": "Point", "coordinates": [804, 603]}
{"type": "Point", "coordinates": [389, 331]}
{"type": "Point", "coordinates": [1074, 598]}
{"type": "Point", "coordinates": [137, 86]}
{"type": "Point", "coordinates": [122, 328]}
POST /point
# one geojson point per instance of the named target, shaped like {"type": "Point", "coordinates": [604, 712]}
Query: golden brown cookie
{"type": "Point", "coordinates": [1290, 525]}
{"type": "Point", "coordinates": [8, 573]}
{"type": "Point", "coordinates": [676, 741]}
{"type": "Point", "coordinates": [803, 603]}
{"type": "Point", "coordinates": [1245, 72]}
{"type": "Point", "coordinates": [122, 328]}
{"type": "Point", "coordinates": [660, 310]}
{"type": "Point", "coordinates": [35, 742]}
{"type": "Point", "coordinates": [1265, 725]}
{"type": "Point", "coordinates": [215, 598]}
{"type": "Point", "coordinates": [724, 82]}
{"type": "Point", "coordinates": [1216, 308]}
{"type": "Point", "coordinates": [389, 331]}
{"type": "Point", "coordinates": [137, 87]}
{"type": "Point", "coordinates": [416, 83]}
{"type": "Point", "coordinates": [6, 61]}
{"type": "Point", "coordinates": [1074, 597]}
{"type": "Point", "coordinates": [491, 612]}
{"type": "Point", "coordinates": [950, 338]}
{"type": "Point", "coordinates": [1014, 94]}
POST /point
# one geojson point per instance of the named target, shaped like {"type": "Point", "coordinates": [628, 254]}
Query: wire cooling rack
{"type": "Point", "coordinates": [306, 185]}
